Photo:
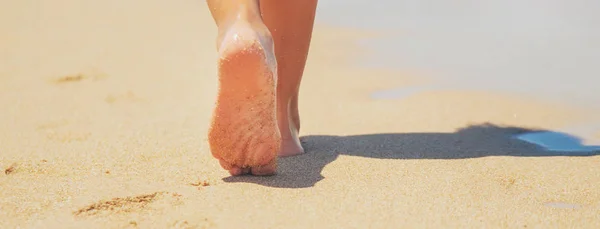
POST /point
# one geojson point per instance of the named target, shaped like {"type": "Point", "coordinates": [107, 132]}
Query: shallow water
{"type": "Point", "coordinates": [559, 142]}
{"type": "Point", "coordinates": [543, 48]}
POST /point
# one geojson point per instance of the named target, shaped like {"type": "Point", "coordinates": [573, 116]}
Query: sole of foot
{"type": "Point", "coordinates": [244, 134]}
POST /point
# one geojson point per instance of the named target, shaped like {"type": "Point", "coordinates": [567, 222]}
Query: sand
{"type": "Point", "coordinates": [105, 107]}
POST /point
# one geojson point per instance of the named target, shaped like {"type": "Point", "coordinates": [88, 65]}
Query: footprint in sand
{"type": "Point", "coordinates": [70, 78]}
{"type": "Point", "coordinates": [10, 169]}
{"type": "Point", "coordinates": [184, 224]}
{"type": "Point", "coordinates": [78, 77]}
{"type": "Point", "coordinates": [139, 204]}
{"type": "Point", "coordinates": [39, 167]}
{"type": "Point", "coordinates": [127, 204]}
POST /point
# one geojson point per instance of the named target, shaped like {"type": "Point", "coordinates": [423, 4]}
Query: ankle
{"type": "Point", "coordinates": [288, 124]}
{"type": "Point", "coordinates": [248, 12]}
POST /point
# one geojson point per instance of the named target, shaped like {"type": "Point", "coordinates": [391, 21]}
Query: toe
{"type": "Point", "coordinates": [233, 170]}
{"type": "Point", "coordinates": [236, 171]}
{"type": "Point", "coordinates": [265, 170]}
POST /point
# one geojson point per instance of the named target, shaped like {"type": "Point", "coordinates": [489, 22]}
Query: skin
{"type": "Point", "coordinates": [263, 46]}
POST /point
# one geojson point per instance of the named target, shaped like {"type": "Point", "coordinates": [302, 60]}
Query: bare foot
{"type": "Point", "coordinates": [244, 133]}
{"type": "Point", "coordinates": [289, 125]}
{"type": "Point", "coordinates": [290, 142]}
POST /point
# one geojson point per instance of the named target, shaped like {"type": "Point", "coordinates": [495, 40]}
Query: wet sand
{"type": "Point", "coordinates": [105, 107]}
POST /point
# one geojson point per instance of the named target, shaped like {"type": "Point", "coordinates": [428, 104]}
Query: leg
{"type": "Point", "coordinates": [253, 110]}
{"type": "Point", "coordinates": [291, 23]}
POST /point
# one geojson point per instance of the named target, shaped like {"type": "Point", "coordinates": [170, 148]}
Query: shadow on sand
{"type": "Point", "coordinates": [470, 142]}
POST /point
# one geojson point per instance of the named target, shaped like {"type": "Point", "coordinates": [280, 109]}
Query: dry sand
{"type": "Point", "coordinates": [104, 112]}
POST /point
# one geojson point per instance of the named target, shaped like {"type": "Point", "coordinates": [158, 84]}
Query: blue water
{"type": "Point", "coordinates": [544, 48]}
{"type": "Point", "coordinates": [556, 141]}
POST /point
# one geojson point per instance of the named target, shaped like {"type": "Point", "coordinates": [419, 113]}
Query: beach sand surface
{"type": "Point", "coordinates": [104, 109]}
